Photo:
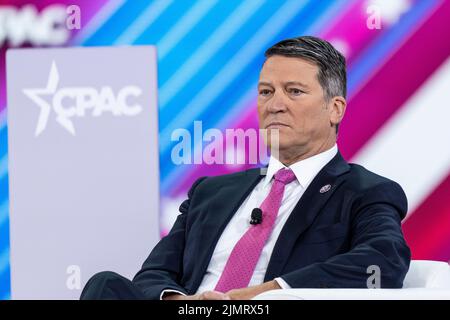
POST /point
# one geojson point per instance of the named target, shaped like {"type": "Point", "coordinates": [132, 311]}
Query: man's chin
{"type": "Point", "coordinates": [280, 147]}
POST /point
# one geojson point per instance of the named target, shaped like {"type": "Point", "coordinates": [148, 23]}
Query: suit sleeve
{"type": "Point", "coordinates": [163, 268]}
{"type": "Point", "coordinates": [376, 240]}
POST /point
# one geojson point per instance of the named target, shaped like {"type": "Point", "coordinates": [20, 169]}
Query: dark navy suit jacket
{"type": "Point", "coordinates": [329, 240]}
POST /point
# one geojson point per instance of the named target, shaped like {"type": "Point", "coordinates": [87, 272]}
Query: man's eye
{"type": "Point", "coordinates": [295, 91]}
{"type": "Point", "coordinates": [264, 92]}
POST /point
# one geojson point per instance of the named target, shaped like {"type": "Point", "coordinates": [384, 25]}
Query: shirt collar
{"type": "Point", "coordinates": [305, 170]}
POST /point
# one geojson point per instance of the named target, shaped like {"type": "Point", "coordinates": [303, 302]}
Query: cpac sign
{"type": "Point", "coordinates": [50, 26]}
{"type": "Point", "coordinates": [69, 102]}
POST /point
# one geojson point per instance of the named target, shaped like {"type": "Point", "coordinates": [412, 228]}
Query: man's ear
{"type": "Point", "coordinates": [337, 110]}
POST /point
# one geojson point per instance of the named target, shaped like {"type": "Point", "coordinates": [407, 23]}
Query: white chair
{"type": "Point", "coordinates": [425, 280]}
{"type": "Point", "coordinates": [428, 274]}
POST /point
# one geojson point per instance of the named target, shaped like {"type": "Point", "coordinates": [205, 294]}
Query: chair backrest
{"type": "Point", "coordinates": [427, 274]}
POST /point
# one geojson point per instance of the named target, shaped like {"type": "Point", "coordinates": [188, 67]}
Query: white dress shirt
{"type": "Point", "coordinates": [305, 171]}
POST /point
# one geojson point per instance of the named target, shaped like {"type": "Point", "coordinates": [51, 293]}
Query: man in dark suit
{"type": "Point", "coordinates": [321, 222]}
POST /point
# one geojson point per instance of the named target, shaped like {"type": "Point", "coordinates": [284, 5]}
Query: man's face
{"type": "Point", "coordinates": [291, 99]}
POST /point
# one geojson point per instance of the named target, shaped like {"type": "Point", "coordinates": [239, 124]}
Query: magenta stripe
{"type": "Point", "coordinates": [389, 88]}
{"type": "Point", "coordinates": [351, 29]}
{"type": "Point", "coordinates": [337, 21]}
{"type": "Point", "coordinates": [2, 79]}
{"type": "Point", "coordinates": [427, 231]}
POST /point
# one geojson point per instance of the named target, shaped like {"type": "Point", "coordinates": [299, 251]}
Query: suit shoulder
{"type": "Point", "coordinates": [371, 188]}
{"type": "Point", "coordinates": [362, 179]}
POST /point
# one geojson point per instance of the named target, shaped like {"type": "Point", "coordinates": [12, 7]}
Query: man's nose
{"type": "Point", "coordinates": [278, 103]}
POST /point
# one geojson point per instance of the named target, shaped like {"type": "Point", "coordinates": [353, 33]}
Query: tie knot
{"type": "Point", "coordinates": [285, 176]}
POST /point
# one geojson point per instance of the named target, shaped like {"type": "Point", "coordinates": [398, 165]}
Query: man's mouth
{"type": "Point", "coordinates": [276, 125]}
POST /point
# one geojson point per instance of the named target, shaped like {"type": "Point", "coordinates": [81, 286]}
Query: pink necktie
{"type": "Point", "coordinates": [243, 259]}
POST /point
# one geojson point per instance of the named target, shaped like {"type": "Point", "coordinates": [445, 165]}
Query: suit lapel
{"type": "Point", "coordinates": [305, 211]}
{"type": "Point", "coordinates": [222, 207]}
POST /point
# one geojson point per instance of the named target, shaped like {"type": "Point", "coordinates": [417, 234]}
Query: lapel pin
{"type": "Point", "coordinates": [325, 188]}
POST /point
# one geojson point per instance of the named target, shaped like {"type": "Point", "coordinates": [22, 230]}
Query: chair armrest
{"type": "Point", "coordinates": [355, 294]}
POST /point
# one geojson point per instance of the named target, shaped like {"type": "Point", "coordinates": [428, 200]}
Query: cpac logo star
{"type": "Point", "coordinates": [77, 100]}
